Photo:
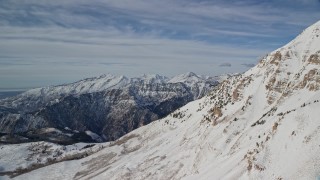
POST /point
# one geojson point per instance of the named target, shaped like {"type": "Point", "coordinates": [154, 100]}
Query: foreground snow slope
{"type": "Point", "coordinates": [263, 124]}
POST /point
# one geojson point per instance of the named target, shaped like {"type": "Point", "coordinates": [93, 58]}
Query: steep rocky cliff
{"type": "Point", "coordinates": [103, 108]}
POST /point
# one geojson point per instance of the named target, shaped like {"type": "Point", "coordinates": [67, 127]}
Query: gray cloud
{"type": "Point", "coordinates": [249, 65]}
{"type": "Point", "coordinates": [83, 38]}
{"type": "Point", "coordinates": [158, 17]}
{"type": "Point", "coordinates": [225, 65]}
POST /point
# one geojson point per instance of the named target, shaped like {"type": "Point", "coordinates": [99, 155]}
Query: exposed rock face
{"type": "Point", "coordinates": [290, 68]}
{"type": "Point", "coordinates": [116, 106]}
{"type": "Point", "coordinates": [314, 59]}
{"type": "Point", "coordinates": [217, 112]}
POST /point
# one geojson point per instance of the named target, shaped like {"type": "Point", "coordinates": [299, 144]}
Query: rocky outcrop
{"type": "Point", "coordinates": [106, 111]}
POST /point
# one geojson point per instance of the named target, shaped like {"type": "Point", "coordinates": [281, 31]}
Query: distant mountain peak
{"type": "Point", "coordinates": [190, 74]}
{"type": "Point", "coordinates": [155, 76]}
{"type": "Point", "coordinates": [186, 77]}
{"type": "Point", "coordinates": [151, 78]}
{"type": "Point", "coordinates": [99, 101]}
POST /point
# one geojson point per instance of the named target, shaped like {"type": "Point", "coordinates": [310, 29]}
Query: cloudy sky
{"type": "Point", "coordinates": [45, 42]}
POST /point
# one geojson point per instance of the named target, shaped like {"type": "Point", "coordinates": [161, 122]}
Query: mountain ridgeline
{"type": "Point", "coordinates": [96, 109]}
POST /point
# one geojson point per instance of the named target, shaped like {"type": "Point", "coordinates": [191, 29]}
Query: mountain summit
{"type": "Point", "coordinates": [263, 124]}
{"type": "Point", "coordinates": [99, 109]}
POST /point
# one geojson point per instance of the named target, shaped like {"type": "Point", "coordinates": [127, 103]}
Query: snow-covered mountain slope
{"type": "Point", "coordinates": [263, 124]}
{"type": "Point", "coordinates": [195, 82]}
{"type": "Point", "coordinates": [35, 98]}
{"type": "Point", "coordinates": [108, 106]}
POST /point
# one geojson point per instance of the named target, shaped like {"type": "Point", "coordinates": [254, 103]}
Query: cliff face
{"type": "Point", "coordinates": [107, 106]}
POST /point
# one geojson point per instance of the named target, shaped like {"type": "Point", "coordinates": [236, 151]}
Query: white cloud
{"type": "Point", "coordinates": [71, 56]}
{"type": "Point", "coordinates": [42, 40]}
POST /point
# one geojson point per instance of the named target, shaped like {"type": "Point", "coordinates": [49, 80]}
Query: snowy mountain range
{"type": "Point", "coordinates": [263, 124]}
{"type": "Point", "coordinates": [96, 109]}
